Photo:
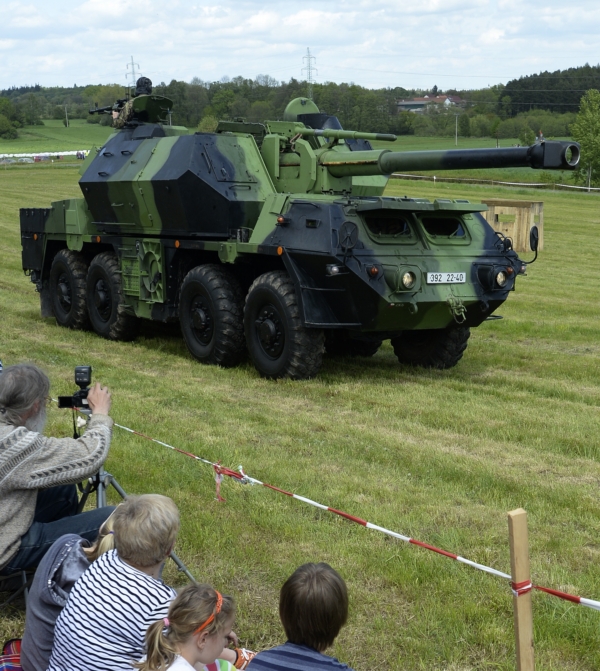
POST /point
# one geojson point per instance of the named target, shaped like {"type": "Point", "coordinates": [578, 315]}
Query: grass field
{"type": "Point", "coordinates": [53, 136]}
{"type": "Point", "coordinates": [437, 455]}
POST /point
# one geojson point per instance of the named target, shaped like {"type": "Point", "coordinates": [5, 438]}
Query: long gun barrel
{"type": "Point", "coordinates": [550, 155]}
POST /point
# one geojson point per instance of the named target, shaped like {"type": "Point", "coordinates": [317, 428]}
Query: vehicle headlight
{"type": "Point", "coordinates": [408, 280]}
{"type": "Point", "coordinates": [501, 278]}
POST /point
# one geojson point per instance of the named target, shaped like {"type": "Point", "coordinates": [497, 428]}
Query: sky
{"type": "Point", "coordinates": [458, 44]}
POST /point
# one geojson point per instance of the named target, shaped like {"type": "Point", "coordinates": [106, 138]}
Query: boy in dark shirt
{"type": "Point", "coordinates": [313, 607]}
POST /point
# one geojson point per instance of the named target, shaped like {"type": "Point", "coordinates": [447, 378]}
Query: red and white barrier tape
{"type": "Point", "coordinates": [376, 527]}
{"type": "Point", "coordinates": [518, 589]}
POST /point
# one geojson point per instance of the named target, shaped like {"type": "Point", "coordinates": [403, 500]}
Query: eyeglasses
{"type": "Point", "coordinates": [48, 400]}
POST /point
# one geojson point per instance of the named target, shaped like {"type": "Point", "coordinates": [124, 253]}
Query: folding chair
{"type": "Point", "coordinates": [18, 583]}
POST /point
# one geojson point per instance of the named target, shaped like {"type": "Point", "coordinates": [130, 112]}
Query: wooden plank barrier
{"type": "Point", "coordinates": [514, 219]}
{"type": "Point", "coordinates": [521, 585]}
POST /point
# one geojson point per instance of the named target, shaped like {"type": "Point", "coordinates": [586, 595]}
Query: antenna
{"type": "Point", "coordinates": [132, 73]}
{"type": "Point", "coordinates": [310, 71]}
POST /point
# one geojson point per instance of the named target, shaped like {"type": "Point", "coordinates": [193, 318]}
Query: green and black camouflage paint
{"type": "Point", "coordinates": [258, 197]}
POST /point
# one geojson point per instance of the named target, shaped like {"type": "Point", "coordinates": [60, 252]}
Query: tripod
{"type": "Point", "coordinates": [99, 483]}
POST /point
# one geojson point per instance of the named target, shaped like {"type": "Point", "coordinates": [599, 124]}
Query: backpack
{"type": "Point", "coordinates": [10, 659]}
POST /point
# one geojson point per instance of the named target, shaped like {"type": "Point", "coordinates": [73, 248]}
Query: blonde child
{"type": "Point", "coordinates": [109, 609]}
{"type": "Point", "coordinates": [194, 633]}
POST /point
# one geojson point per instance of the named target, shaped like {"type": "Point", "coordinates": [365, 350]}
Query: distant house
{"type": "Point", "coordinates": [419, 105]}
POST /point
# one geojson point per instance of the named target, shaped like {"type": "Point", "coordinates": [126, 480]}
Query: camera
{"type": "Point", "coordinates": [83, 379]}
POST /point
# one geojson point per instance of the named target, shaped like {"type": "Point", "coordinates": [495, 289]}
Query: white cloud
{"type": "Point", "coordinates": [18, 16]}
{"type": "Point", "coordinates": [451, 43]}
{"type": "Point", "coordinates": [99, 9]}
{"type": "Point", "coordinates": [491, 36]}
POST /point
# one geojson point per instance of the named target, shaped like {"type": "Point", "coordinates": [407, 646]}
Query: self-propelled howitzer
{"type": "Point", "coordinates": [275, 238]}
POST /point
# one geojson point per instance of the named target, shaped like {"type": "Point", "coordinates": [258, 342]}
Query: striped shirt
{"type": "Point", "coordinates": [104, 622]}
{"type": "Point", "coordinates": [292, 657]}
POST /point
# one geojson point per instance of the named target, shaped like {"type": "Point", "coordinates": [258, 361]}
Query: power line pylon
{"type": "Point", "coordinates": [132, 65]}
{"type": "Point", "coordinates": [310, 70]}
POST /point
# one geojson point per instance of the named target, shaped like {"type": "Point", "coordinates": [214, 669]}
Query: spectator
{"type": "Point", "coordinates": [313, 607]}
{"type": "Point", "coordinates": [110, 607]}
{"type": "Point", "coordinates": [61, 567]}
{"type": "Point", "coordinates": [195, 632]}
{"type": "Point", "coordinates": [38, 497]}
{"type": "Point", "coordinates": [114, 602]}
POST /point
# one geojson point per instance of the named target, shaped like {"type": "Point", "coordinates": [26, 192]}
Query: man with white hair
{"type": "Point", "coordinates": [38, 496]}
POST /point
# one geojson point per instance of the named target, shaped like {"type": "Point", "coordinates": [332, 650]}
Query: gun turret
{"type": "Point", "coordinates": [310, 152]}
{"type": "Point", "coordinates": [306, 162]}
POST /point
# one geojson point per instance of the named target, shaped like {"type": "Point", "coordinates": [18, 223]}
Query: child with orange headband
{"type": "Point", "coordinates": [195, 632]}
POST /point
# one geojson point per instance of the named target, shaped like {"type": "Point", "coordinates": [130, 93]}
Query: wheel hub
{"type": "Point", "coordinates": [102, 300]}
{"type": "Point", "coordinates": [64, 292]}
{"type": "Point", "coordinates": [269, 328]}
{"type": "Point", "coordinates": [201, 320]}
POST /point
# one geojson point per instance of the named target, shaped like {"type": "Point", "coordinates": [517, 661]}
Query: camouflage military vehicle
{"type": "Point", "coordinates": [273, 238]}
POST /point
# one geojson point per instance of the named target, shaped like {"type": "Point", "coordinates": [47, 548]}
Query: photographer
{"type": "Point", "coordinates": [38, 496]}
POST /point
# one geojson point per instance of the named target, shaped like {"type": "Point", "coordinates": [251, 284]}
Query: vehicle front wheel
{"type": "Point", "coordinates": [432, 348]}
{"type": "Point", "coordinates": [67, 289]}
{"type": "Point", "coordinates": [279, 345]}
{"type": "Point", "coordinates": [110, 316]}
{"type": "Point", "coordinates": [211, 307]}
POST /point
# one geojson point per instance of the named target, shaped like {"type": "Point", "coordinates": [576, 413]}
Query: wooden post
{"type": "Point", "coordinates": [519, 569]}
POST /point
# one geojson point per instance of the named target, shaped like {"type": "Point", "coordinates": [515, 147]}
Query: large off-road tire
{"type": "Point", "coordinates": [109, 315]}
{"type": "Point", "coordinates": [434, 348]}
{"type": "Point", "coordinates": [278, 344]}
{"type": "Point", "coordinates": [67, 289]}
{"type": "Point", "coordinates": [211, 314]}
{"type": "Point", "coordinates": [339, 343]}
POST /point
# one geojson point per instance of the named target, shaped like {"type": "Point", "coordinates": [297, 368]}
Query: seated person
{"type": "Point", "coordinates": [195, 632]}
{"type": "Point", "coordinates": [38, 496]}
{"type": "Point", "coordinates": [111, 606]}
{"type": "Point", "coordinates": [313, 607]}
{"type": "Point", "coordinates": [58, 571]}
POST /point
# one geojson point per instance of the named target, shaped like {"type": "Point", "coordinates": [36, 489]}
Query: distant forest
{"type": "Point", "coordinates": [547, 101]}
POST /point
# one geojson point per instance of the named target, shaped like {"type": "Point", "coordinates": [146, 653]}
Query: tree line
{"type": "Point", "coordinates": [546, 102]}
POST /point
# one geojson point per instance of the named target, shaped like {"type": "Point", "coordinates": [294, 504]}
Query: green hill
{"type": "Point", "coordinates": [53, 136]}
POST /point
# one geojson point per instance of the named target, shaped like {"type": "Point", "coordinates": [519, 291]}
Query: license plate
{"type": "Point", "coordinates": [446, 278]}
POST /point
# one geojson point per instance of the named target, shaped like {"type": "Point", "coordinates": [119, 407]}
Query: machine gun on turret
{"type": "Point", "coordinates": [117, 106]}
{"type": "Point", "coordinates": [143, 109]}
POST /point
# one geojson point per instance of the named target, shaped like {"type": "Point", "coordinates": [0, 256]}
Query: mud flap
{"type": "Point", "coordinates": [45, 303]}
{"type": "Point", "coordinates": [316, 302]}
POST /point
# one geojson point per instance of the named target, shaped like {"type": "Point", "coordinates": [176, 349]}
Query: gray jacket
{"type": "Point", "coordinates": [58, 571]}
{"type": "Point", "coordinates": [29, 461]}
